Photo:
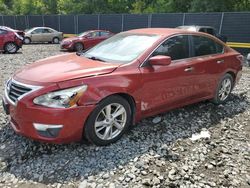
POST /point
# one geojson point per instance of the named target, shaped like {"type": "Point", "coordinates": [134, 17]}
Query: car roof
{"type": "Point", "coordinates": [42, 28]}
{"type": "Point", "coordinates": [97, 30]}
{"type": "Point", "coordinates": [196, 26]}
{"type": "Point", "coordinates": [5, 28]}
{"type": "Point", "coordinates": [160, 31]}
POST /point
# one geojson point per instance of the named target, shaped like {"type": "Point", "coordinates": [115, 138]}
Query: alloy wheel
{"type": "Point", "coordinates": [225, 89]}
{"type": "Point", "coordinates": [11, 48]}
{"type": "Point", "coordinates": [110, 121]}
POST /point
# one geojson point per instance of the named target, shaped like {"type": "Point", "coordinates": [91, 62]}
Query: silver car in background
{"type": "Point", "coordinates": [42, 34]}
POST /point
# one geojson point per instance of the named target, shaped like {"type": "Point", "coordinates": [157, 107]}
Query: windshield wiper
{"type": "Point", "coordinates": [95, 58]}
{"type": "Point", "coordinates": [80, 53]}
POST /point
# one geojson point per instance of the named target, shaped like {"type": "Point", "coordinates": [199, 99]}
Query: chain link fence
{"type": "Point", "coordinates": [235, 25]}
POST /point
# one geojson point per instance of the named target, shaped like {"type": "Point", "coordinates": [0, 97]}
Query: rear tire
{"type": "Point", "coordinates": [56, 40]}
{"type": "Point", "coordinates": [10, 48]}
{"type": "Point", "coordinates": [224, 89]}
{"type": "Point", "coordinates": [108, 121]}
{"type": "Point", "coordinates": [79, 47]}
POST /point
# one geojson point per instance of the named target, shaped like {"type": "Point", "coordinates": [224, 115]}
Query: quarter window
{"type": "Point", "coordinates": [206, 46]}
{"type": "Point", "coordinates": [176, 47]}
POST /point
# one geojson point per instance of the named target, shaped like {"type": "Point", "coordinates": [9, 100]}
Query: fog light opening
{"type": "Point", "coordinates": [49, 131]}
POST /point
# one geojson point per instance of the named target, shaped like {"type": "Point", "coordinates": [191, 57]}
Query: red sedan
{"type": "Point", "coordinates": [85, 40]}
{"type": "Point", "coordinates": [10, 40]}
{"type": "Point", "coordinates": [130, 76]}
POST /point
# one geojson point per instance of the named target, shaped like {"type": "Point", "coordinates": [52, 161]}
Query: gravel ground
{"type": "Point", "coordinates": [150, 155]}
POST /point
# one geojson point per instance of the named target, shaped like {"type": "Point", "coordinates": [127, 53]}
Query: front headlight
{"type": "Point", "coordinates": [67, 42]}
{"type": "Point", "coordinates": [65, 98]}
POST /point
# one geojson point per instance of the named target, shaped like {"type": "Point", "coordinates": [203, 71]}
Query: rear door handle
{"type": "Point", "coordinates": [189, 69]}
{"type": "Point", "coordinates": [220, 61]}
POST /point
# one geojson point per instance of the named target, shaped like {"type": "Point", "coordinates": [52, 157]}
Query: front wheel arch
{"type": "Point", "coordinates": [78, 43]}
{"type": "Point", "coordinates": [88, 126]}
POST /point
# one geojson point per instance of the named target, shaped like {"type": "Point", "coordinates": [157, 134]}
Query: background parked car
{"type": "Point", "coordinates": [85, 40]}
{"type": "Point", "coordinates": [19, 32]}
{"type": "Point", "coordinates": [204, 29]}
{"type": "Point", "coordinates": [42, 34]}
{"type": "Point", "coordinates": [10, 40]}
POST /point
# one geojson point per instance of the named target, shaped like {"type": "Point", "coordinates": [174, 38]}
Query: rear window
{"type": "Point", "coordinates": [2, 32]}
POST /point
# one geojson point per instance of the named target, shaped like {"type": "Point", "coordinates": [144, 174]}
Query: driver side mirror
{"type": "Point", "coordinates": [160, 60]}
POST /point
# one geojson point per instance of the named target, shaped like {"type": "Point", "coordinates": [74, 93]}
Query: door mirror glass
{"type": "Point", "coordinates": [160, 60]}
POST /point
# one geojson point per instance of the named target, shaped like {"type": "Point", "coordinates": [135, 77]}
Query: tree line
{"type": "Point", "coordinates": [33, 7]}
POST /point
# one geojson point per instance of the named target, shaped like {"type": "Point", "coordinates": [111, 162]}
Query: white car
{"type": "Point", "coordinates": [42, 34]}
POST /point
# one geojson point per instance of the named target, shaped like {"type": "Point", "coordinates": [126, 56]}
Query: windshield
{"type": "Point", "coordinates": [28, 30]}
{"type": "Point", "coordinates": [82, 34]}
{"type": "Point", "coordinates": [122, 48]}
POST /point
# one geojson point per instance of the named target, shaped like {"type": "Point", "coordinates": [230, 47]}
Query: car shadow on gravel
{"type": "Point", "coordinates": [46, 163]}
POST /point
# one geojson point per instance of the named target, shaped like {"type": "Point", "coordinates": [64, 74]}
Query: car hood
{"type": "Point", "coordinates": [61, 68]}
{"type": "Point", "coordinates": [72, 39]}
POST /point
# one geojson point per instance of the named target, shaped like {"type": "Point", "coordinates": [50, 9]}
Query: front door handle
{"type": "Point", "coordinates": [220, 61]}
{"type": "Point", "coordinates": [189, 69]}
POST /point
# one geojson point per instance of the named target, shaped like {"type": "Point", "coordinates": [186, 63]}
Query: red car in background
{"type": "Point", "coordinates": [85, 40]}
{"type": "Point", "coordinates": [10, 40]}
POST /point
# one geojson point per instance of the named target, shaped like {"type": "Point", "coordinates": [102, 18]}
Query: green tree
{"type": "Point", "coordinates": [4, 8]}
{"type": "Point", "coordinates": [212, 6]}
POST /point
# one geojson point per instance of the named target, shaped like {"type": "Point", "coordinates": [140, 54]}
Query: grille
{"type": "Point", "coordinates": [16, 90]}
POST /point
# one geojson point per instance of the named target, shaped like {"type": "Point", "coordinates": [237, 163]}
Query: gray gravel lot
{"type": "Point", "coordinates": [150, 155]}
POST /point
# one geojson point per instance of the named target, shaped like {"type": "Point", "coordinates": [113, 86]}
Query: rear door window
{"type": "Point", "coordinates": [47, 31]}
{"type": "Point", "coordinates": [37, 31]}
{"type": "Point", "coordinates": [205, 46]}
{"type": "Point", "coordinates": [104, 33]}
{"type": "Point", "coordinates": [2, 32]}
{"type": "Point", "coordinates": [94, 34]}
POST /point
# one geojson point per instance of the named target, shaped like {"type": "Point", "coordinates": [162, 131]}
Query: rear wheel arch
{"type": "Point", "coordinates": [232, 74]}
{"type": "Point", "coordinates": [10, 42]}
{"type": "Point", "coordinates": [55, 38]}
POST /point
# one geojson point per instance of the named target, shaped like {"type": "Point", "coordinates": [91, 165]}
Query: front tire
{"type": "Point", "coordinates": [10, 48]}
{"type": "Point", "coordinates": [224, 89]}
{"type": "Point", "coordinates": [79, 47]}
{"type": "Point", "coordinates": [109, 121]}
{"type": "Point", "coordinates": [27, 40]}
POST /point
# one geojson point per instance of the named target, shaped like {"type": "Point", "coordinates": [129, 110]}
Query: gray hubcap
{"type": "Point", "coordinates": [26, 41]}
{"type": "Point", "coordinates": [56, 40]}
{"type": "Point", "coordinates": [79, 47]}
{"type": "Point", "coordinates": [110, 121]}
{"type": "Point", "coordinates": [11, 47]}
{"type": "Point", "coordinates": [225, 89]}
